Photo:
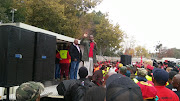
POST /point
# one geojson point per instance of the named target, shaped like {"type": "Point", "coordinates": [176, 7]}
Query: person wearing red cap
{"type": "Point", "coordinates": [149, 69]}
{"type": "Point", "coordinates": [160, 77]}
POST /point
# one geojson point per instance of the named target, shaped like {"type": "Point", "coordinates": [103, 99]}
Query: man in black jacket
{"type": "Point", "coordinates": [75, 53]}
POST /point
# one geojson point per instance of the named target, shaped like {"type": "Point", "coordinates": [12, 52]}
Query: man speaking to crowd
{"type": "Point", "coordinates": [89, 55]}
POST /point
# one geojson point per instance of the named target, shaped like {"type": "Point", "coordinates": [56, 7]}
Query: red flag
{"type": "Point", "coordinates": [141, 61]}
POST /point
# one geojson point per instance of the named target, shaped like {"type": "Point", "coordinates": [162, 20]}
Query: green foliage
{"type": "Point", "coordinates": [3, 15]}
{"type": "Point", "coordinates": [46, 14]}
{"type": "Point", "coordinates": [141, 51]}
{"type": "Point", "coordinates": [5, 8]}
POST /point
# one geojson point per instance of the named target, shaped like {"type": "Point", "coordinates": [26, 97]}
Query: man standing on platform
{"type": "Point", "coordinates": [89, 55]}
{"type": "Point", "coordinates": [76, 55]}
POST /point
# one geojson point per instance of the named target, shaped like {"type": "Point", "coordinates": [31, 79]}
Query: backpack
{"type": "Point", "coordinates": [63, 86]}
{"type": "Point", "coordinates": [79, 89]}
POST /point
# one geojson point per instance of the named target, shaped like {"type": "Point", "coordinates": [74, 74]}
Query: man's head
{"type": "Point", "coordinates": [91, 37]}
{"type": "Point", "coordinates": [176, 82]}
{"type": "Point", "coordinates": [83, 72]}
{"type": "Point", "coordinates": [160, 77]}
{"type": "Point", "coordinates": [171, 75]}
{"type": "Point", "coordinates": [113, 64]}
{"type": "Point", "coordinates": [76, 41]}
{"type": "Point", "coordinates": [141, 72]}
{"type": "Point", "coordinates": [123, 70]}
{"type": "Point", "coordinates": [121, 88]}
{"type": "Point", "coordinates": [148, 62]}
{"type": "Point", "coordinates": [149, 69]}
{"type": "Point", "coordinates": [29, 91]}
{"type": "Point", "coordinates": [168, 69]}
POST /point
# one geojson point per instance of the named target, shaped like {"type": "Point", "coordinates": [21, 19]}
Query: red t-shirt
{"type": "Point", "coordinates": [165, 94]}
{"type": "Point", "coordinates": [91, 49]}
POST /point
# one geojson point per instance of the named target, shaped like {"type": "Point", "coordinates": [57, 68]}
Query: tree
{"type": "Point", "coordinates": [5, 8]}
{"type": "Point", "coordinates": [176, 53]}
{"type": "Point", "coordinates": [46, 14]}
{"type": "Point", "coordinates": [130, 51]}
{"type": "Point", "coordinates": [61, 16]}
{"type": "Point", "coordinates": [3, 15]}
{"type": "Point", "coordinates": [128, 44]}
{"type": "Point", "coordinates": [141, 51]}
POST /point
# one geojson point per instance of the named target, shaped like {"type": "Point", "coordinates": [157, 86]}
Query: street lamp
{"type": "Point", "coordinates": [12, 11]}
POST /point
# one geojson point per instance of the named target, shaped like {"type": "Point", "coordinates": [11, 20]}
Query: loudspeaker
{"type": "Point", "coordinates": [44, 57]}
{"type": "Point", "coordinates": [16, 55]}
{"type": "Point", "coordinates": [129, 59]}
{"type": "Point", "coordinates": [126, 59]}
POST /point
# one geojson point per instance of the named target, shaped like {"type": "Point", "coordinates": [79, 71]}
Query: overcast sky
{"type": "Point", "coordinates": [149, 21]}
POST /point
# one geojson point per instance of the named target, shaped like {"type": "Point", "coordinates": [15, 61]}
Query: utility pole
{"type": "Point", "coordinates": [12, 11]}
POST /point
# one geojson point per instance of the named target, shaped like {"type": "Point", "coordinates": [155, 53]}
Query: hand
{"type": "Point", "coordinates": [85, 35]}
{"type": "Point", "coordinates": [75, 59]}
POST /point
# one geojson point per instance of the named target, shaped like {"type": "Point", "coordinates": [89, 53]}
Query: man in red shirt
{"type": "Point", "coordinates": [89, 54]}
{"type": "Point", "coordinates": [160, 77]}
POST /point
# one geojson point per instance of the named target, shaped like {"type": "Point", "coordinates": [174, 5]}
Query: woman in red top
{"type": "Point", "coordinates": [65, 60]}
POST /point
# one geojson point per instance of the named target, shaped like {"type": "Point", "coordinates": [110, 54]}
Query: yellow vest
{"type": "Point", "coordinates": [136, 73]}
{"type": "Point", "coordinates": [63, 54]}
{"type": "Point", "coordinates": [135, 80]}
{"type": "Point", "coordinates": [105, 72]}
{"type": "Point", "coordinates": [148, 78]}
{"type": "Point", "coordinates": [167, 83]}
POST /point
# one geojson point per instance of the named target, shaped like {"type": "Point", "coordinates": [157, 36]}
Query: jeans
{"type": "Point", "coordinates": [57, 71]}
{"type": "Point", "coordinates": [74, 69]}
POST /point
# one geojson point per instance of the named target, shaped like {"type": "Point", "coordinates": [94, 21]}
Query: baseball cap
{"type": "Point", "coordinates": [29, 91]}
{"type": "Point", "coordinates": [120, 87]}
{"type": "Point", "coordinates": [120, 65]}
{"type": "Point", "coordinates": [160, 74]}
{"type": "Point", "coordinates": [123, 68]}
{"type": "Point", "coordinates": [150, 67]}
{"type": "Point", "coordinates": [142, 72]}
{"type": "Point", "coordinates": [148, 90]}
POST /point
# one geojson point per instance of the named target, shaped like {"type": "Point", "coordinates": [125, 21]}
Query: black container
{"type": "Point", "coordinates": [16, 55]}
{"type": "Point", "coordinates": [126, 59]}
{"type": "Point", "coordinates": [44, 60]}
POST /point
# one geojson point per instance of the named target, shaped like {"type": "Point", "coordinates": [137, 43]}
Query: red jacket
{"type": "Point", "coordinates": [68, 60]}
{"type": "Point", "coordinates": [165, 94]}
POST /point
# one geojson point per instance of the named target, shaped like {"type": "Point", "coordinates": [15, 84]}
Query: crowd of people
{"type": "Point", "coordinates": [108, 80]}
{"type": "Point", "coordinates": [111, 81]}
